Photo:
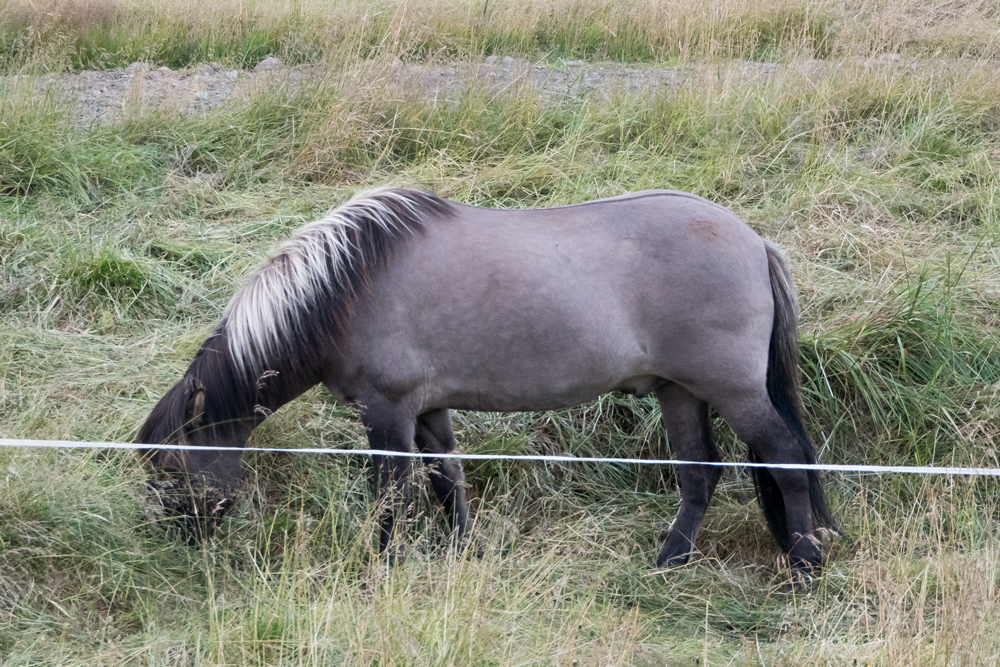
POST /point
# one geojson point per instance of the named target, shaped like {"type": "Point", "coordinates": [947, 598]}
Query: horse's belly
{"type": "Point", "coordinates": [498, 401]}
{"type": "Point", "coordinates": [546, 400]}
{"type": "Point", "coordinates": [519, 389]}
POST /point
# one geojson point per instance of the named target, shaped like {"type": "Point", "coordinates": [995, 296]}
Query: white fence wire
{"type": "Point", "coordinates": [559, 458]}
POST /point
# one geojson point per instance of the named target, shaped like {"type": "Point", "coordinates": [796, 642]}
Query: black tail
{"type": "Point", "coordinates": [783, 389]}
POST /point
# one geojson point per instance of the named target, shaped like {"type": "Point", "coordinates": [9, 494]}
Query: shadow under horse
{"type": "Point", "coordinates": [407, 305]}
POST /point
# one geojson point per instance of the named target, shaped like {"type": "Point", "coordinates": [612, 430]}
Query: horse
{"type": "Point", "coordinates": [407, 306]}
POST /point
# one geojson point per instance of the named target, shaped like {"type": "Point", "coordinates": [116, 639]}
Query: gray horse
{"type": "Point", "coordinates": [406, 306]}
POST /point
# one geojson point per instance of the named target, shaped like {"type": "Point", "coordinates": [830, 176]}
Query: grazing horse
{"type": "Point", "coordinates": [406, 306]}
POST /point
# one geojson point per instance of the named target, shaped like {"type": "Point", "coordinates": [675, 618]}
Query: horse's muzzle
{"type": "Point", "coordinates": [188, 506]}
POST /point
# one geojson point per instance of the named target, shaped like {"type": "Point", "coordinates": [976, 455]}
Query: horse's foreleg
{"type": "Point", "coordinates": [435, 435]}
{"type": "Point", "coordinates": [390, 427]}
{"type": "Point", "coordinates": [690, 433]}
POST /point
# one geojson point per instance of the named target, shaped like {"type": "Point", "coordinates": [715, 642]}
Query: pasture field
{"type": "Point", "coordinates": [863, 138]}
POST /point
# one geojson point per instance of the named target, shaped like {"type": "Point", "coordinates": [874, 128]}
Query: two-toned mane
{"type": "Point", "coordinates": [291, 310]}
{"type": "Point", "coordinates": [287, 314]}
{"type": "Point", "coordinates": [302, 297]}
{"type": "Point", "coordinates": [407, 305]}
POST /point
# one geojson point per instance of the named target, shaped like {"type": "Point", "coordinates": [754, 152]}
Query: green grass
{"type": "Point", "coordinates": [120, 246]}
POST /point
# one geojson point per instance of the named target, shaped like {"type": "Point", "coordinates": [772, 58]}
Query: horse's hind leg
{"type": "Point", "coordinates": [786, 502]}
{"type": "Point", "coordinates": [390, 427]}
{"type": "Point", "coordinates": [690, 433]}
{"type": "Point", "coordinates": [434, 435]}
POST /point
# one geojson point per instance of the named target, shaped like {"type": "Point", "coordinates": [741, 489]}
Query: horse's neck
{"type": "Point", "coordinates": [272, 390]}
{"type": "Point", "coordinates": [243, 398]}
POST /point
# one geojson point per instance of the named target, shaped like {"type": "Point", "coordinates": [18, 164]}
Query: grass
{"type": "Point", "coordinates": [59, 34]}
{"type": "Point", "coordinates": [121, 244]}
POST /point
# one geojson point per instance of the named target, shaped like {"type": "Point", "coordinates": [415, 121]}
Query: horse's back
{"type": "Point", "coordinates": [537, 308]}
{"type": "Point", "coordinates": [636, 247]}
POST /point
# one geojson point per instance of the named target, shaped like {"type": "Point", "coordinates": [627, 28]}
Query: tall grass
{"type": "Point", "coordinates": [120, 245]}
{"type": "Point", "coordinates": [55, 34]}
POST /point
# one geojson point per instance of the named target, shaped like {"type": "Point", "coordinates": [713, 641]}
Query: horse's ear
{"type": "Point", "coordinates": [195, 408]}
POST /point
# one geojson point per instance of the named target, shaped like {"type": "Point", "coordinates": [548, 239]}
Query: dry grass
{"type": "Point", "coordinates": [53, 34]}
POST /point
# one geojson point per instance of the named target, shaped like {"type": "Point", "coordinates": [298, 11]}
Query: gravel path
{"type": "Point", "coordinates": [102, 96]}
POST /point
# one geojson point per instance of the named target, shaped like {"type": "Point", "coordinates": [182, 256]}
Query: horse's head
{"type": "Point", "coordinates": [195, 487]}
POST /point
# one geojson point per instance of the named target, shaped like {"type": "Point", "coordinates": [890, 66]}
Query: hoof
{"type": "Point", "coordinates": [800, 576]}
{"type": "Point", "coordinates": [798, 583]}
{"type": "Point", "coordinates": [468, 545]}
{"type": "Point", "coordinates": [667, 560]}
{"type": "Point", "coordinates": [394, 554]}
